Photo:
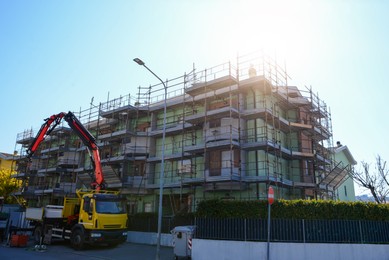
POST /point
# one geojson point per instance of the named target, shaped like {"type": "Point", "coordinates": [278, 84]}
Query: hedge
{"type": "Point", "coordinates": [294, 209]}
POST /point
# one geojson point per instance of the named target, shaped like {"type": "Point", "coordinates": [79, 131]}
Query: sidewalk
{"type": "Point", "coordinates": [62, 250]}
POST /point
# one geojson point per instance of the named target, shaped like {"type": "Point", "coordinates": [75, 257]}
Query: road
{"type": "Point", "coordinates": [61, 250]}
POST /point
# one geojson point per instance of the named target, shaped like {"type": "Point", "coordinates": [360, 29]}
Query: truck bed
{"type": "Point", "coordinates": [49, 211]}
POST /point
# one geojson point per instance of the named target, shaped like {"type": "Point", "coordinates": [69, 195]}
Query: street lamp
{"type": "Point", "coordinates": [161, 174]}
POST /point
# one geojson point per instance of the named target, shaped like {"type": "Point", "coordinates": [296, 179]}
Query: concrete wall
{"type": "Point", "coordinates": [149, 238]}
{"type": "Point", "coordinates": [226, 250]}
{"type": "Point", "coordinates": [222, 249]}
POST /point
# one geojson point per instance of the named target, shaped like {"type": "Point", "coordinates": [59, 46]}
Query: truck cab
{"type": "Point", "coordinates": [102, 219]}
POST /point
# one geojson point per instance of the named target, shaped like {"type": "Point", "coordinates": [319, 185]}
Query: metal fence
{"type": "Point", "coordinates": [301, 231]}
{"type": "Point", "coordinates": [282, 230]}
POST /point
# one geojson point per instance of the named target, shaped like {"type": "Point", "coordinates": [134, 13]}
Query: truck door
{"type": "Point", "coordinates": [86, 213]}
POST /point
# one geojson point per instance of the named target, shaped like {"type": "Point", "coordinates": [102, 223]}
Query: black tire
{"type": "Point", "coordinates": [77, 239]}
{"type": "Point", "coordinates": [38, 234]}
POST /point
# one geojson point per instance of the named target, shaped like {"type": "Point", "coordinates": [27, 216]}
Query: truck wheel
{"type": "Point", "coordinates": [38, 234]}
{"type": "Point", "coordinates": [77, 239]}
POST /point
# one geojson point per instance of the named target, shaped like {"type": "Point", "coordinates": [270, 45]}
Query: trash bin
{"type": "Point", "coordinates": [182, 241]}
{"type": "Point", "coordinates": [19, 240]}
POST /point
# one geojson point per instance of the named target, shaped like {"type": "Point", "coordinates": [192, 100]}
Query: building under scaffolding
{"type": "Point", "coordinates": [231, 131]}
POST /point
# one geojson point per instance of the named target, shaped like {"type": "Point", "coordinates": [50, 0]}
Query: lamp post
{"type": "Point", "coordinates": [161, 174]}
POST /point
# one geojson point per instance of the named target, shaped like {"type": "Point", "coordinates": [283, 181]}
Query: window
{"type": "Point", "coordinates": [345, 191]}
{"type": "Point", "coordinates": [87, 204]}
{"type": "Point", "coordinates": [110, 207]}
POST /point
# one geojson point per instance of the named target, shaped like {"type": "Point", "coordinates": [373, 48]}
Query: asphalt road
{"type": "Point", "coordinates": [62, 250]}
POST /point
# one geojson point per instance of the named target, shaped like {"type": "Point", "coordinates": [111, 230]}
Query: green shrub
{"type": "Point", "coordinates": [294, 209]}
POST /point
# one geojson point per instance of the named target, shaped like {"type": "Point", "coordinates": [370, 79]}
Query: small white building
{"type": "Point", "coordinates": [346, 161]}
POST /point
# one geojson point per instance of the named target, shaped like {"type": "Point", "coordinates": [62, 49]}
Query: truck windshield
{"type": "Point", "coordinates": [110, 207]}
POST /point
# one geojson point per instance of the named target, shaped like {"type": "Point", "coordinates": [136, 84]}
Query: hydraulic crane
{"type": "Point", "coordinates": [87, 138]}
{"type": "Point", "coordinates": [96, 216]}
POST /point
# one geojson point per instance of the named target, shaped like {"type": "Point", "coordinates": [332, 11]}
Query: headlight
{"type": "Point", "coordinates": [95, 234]}
{"type": "Point", "coordinates": [124, 233]}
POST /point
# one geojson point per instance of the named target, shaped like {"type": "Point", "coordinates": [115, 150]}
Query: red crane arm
{"type": "Point", "coordinates": [86, 137]}
{"type": "Point", "coordinates": [90, 143]}
{"type": "Point", "coordinates": [99, 178]}
{"type": "Point", "coordinates": [44, 131]}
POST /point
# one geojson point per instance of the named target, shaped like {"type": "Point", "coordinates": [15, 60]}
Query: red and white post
{"type": "Point", "coordinates": [270, 199]}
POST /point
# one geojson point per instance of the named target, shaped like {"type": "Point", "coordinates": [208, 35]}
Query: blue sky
{"type": "Point", "coordinates": [56, 55]}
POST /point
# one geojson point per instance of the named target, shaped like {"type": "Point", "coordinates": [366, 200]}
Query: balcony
{"type": "Point", "coordinates": [170, 129]}
{"type": "Point", "coordinates": [65, 187]}
{"type": "Point", "coordinates": [115, 158]}
{"type": "Point", "coordinates": [212, 79]}
{"type": "Point", "coordinates": [103, 123]}
{"type": "Point", "coordinates": [222, 174]}
{"type": "Point", "coordinates": [116, 135]}
{"type": "Point", "coordinates": [300, 126]}
{"type": "Point", "coordinates": [274, 179]}
{"type": "Point", "coordinates": [193, 180]}
{"type": "Point", "coordinates": [223, 112]}
{"type": "Point", "coordinates": [167, 184]}
{"type": "Point", "coordinates": [25, 137]}
{"type": "Point", "coordinates": [290, 96]}
{"type": "Point", "coordinates": [135, 182]}
{"type": "Point", "coordinates": [262, 143]}
{"type": "Point", "coordinates": [171, 156]}
{"type": "Point", "coordinates": [19, 175]}
{"type": "Point", "coordinates": [257, 82]}
{"type": "Point", "coordinates": [67, 162]}
{"type": "Point", "coordinates": [221, 133]}
{"type": "Point", "coordinates": [203, 87]}
{"type": "Point", "coordinates": [135, 148]}
{"type": "Point", "coordinates": [268, 116]}
{"type": "Point", "coordinates": [54, 169]}
{"type": "Point", "coordinates": [196, 148]}
{"type": "Point", "coordinates": [42, 189]}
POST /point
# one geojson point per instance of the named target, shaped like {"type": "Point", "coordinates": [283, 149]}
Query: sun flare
{"type": "Point", "coordinates": [279, 28]}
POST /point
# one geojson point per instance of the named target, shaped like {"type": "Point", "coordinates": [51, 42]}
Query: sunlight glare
{"type": "Point", "coordinates": [280, 28]}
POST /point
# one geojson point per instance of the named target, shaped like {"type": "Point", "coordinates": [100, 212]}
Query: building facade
{"type": "Point", "coordinates": [231, 131]}
{"type": "Point", "coordinates": [7, 161]}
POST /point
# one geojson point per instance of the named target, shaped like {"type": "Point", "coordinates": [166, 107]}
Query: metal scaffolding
{"type": "Point", "coordinates": [231, 130]}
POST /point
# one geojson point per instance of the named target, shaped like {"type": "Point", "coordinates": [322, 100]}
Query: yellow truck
{"type": "Point", "coordinates": [91, 218]}
{"type": "Point", "coordinates": [96, 216]}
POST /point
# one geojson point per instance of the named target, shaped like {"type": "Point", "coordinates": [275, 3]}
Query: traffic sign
{"type": "Point", "coordinates": [270, 195]}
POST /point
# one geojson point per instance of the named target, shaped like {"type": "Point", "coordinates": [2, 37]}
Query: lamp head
{"type": "Point", "coordinates": [139, 61]}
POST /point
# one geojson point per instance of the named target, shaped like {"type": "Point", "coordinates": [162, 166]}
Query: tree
{"type": "Point", "coordinates": [8, 185]}
{"type": "Point", "coordinates": [376, 181]}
